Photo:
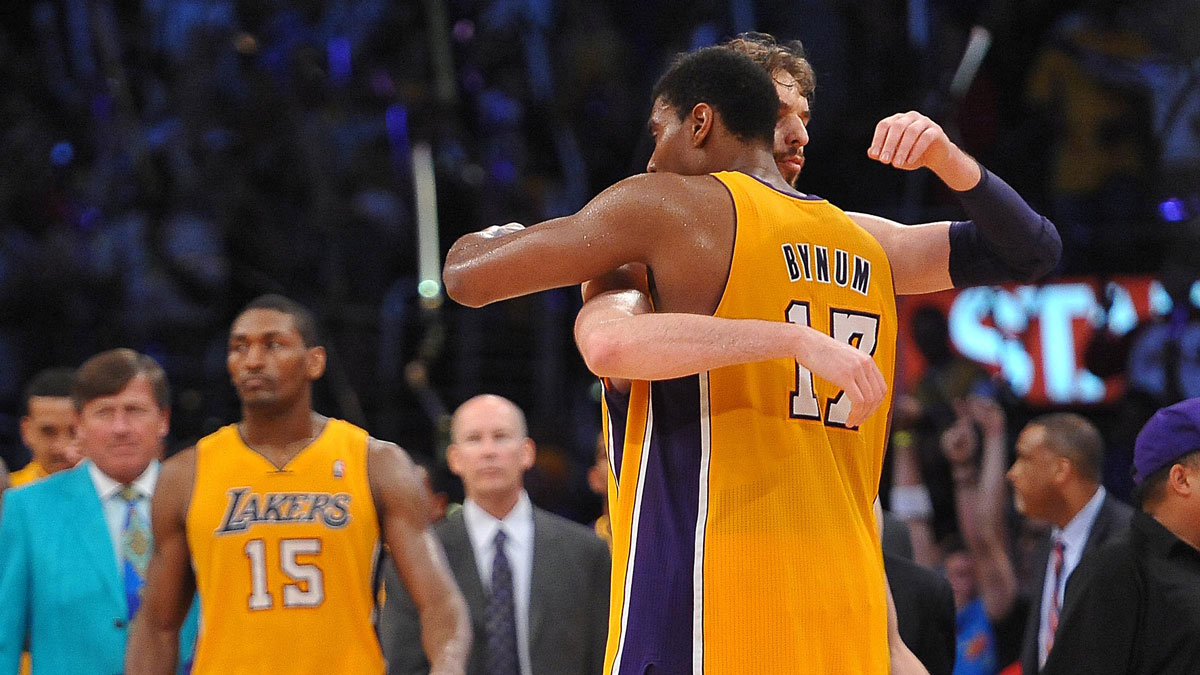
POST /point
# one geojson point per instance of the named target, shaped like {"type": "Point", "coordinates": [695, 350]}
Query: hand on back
{"type": "Point", "coordinates": [850, 369]}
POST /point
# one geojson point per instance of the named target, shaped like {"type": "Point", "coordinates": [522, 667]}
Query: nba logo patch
{"type": "Point", "coordinates": [339, 468]}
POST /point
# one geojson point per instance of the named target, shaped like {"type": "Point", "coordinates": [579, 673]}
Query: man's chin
{"type": "Point", "coordinates": [259, 401]}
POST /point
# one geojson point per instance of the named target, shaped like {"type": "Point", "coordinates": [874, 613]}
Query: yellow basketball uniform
{"type": "Point", "coordinates": [744, 539]}
{"type": "Point", "coordinates": [284, 557]}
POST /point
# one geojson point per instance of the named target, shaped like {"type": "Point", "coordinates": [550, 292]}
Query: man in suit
{"type": "Point", "coordinates": [73, 546]}
{"type": "Point", "coordinates": [536, 584]}
{"type": "Point", "coordinates": [1056, 478]}
{"type": "Point", "coordinates": [925, 614]}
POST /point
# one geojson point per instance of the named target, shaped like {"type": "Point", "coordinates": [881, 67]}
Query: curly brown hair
{"type": "Point", "coordinates": [773, 56]}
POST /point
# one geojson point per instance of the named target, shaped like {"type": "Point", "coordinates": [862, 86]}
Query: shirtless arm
{"type": "Point", "coordinates": [170, 585]}
{"type": "Point", "coordinates": [639, 220]}
{"type": "Point", "coordinates": [619, 338]}
{"type": "Point", "coordinates": [1006, 241]}
{"type": "Point", "coordinates": [402, 504]}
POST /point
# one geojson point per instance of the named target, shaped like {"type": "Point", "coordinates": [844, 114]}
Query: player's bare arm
{"type": "Point", "coordinates": [1005, 241]}
{"type": "Point", "coordinates": [619, 338]}
{"type": "Point", "coordinates": [648, 219]}
{"type": "Point", "coordinates": [402, 504]}
{"type": "Point", "coordinates": [170, 586]}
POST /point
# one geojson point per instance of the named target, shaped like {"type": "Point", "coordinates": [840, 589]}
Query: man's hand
{"type": "Point", "coordinates": [988, 413]}
{"type": "Point", "coordinates": [911, 141]}
{"type": "Point", "coordinates": [847, 367]}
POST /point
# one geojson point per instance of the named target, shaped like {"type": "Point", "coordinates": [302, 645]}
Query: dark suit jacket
{"type": "Point", "coordinates": [1111, 521]}
{"type": "Point", "coordinates": [924, 611]}
{"type": "Point", "coordinates": [568, 604]}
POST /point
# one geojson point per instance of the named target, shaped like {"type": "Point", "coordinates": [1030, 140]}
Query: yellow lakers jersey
{"type": "Point", "coordinates": [283, 557]}
{"type": "Point", "coordinates": [744, 538]}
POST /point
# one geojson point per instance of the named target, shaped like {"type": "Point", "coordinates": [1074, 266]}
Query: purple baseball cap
{"type": "Point", "coordinates": [1172, 433]}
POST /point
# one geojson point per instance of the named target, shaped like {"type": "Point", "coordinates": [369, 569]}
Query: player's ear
{"type": "Point", "coordinates": [701, 122]}
{"type": "Point", "coordinates": [528, 453]}
{"type": "Point", "coordinates": [314, 362]}
{"type": "Point", "coordinates": [452, 457]}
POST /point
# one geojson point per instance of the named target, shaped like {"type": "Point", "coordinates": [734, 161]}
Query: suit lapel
{"type": "Point", "coordinates": [1042, 556]}
{"type": "Point", "coordinates": [542, 582]}
{"type": "Point", "coordinates": [462, 564]}
{"type": "Point", "coordinates": [1101, 527]}
{"type": "Point", "coordinates": [85, 514]}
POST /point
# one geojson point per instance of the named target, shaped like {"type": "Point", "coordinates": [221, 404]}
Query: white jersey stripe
{"type": "Point", "coordinates": [633, 531]}
{"type": "Point", "coordinates": [701, 526]}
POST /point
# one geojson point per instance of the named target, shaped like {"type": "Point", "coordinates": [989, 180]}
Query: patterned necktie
{"type": "Point", "coordinates": [135, 548]}
{"type": "Point", "coordinates": [1055, 604]}
{"type": "Point", "coordinates": [500, 616]}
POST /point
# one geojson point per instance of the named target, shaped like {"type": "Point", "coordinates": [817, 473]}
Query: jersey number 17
{"type": "Point", "coordinates": [858, 329]}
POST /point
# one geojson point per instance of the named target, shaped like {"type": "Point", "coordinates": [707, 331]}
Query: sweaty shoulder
{"type": "Point", "coordinates": [670, 190]}
{"type": "Point", "coordinates": [395, 481]}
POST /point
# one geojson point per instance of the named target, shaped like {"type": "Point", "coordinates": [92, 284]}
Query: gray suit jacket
{"type": "Point", "coordinates": [568, 604]}
{"type": "Point", "coordinates": [1111, 521]}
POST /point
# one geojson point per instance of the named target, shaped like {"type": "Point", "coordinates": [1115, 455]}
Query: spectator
{"type": "Point", "coordinates": [1056, 478]}
{"type": "Point", "coordinates": [1134, 606]}
{"type": "Point", "coordinates": [74, 547]}
{"type": "Point", "coordinates": [48, 427]}
{"type": "Point", "coordinates": [536, 585]}
{"type": "Point", "coordinates": [981, 572]}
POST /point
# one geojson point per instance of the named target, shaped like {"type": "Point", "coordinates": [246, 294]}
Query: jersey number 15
{"type": "Point", "coordinates": [308, 589]}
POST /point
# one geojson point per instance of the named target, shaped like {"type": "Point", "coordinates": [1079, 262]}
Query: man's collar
{"type": "Point", "coordinates": [484, 525]}
{"type": "Point", "coordinates": [1158, 538]}
{"type": "Point", "coordinates": [1076, 531]}
{"type": "Point", "coordinates": [106, 487]}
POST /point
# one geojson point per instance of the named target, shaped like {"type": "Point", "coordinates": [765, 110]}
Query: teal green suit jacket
{"type": "Point", "coordinates": [59, 584]}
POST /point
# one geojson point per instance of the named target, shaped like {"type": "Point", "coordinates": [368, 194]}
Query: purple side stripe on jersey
{"type": "Point", "coordinates": [618, 415]}
{"type": "Point", "coordinates": [660, 599]}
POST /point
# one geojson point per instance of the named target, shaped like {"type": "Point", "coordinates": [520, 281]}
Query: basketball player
{"type": "Point", "coordinates": [1006, 241]}
{"type": "Point", "coordinates": [742, 496]}
{"type": "Point", "coordinates": [276, 522]}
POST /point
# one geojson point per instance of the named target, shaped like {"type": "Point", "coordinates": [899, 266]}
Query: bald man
{"type": "Point", "coordinates": [536, 584]}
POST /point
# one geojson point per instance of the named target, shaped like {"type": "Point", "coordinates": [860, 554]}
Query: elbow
{"type": "Point", "coordinates": [1045, 256]}
{"type": "Point", "coordinates": [600, 347]}
{"type": "Point", "coordinates": [456, 280]}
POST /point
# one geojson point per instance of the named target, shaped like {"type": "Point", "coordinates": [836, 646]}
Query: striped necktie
{"type": "Point", "coordinates": [1060, 548]}
{"type": "Point", "coordinates": [135, 548]}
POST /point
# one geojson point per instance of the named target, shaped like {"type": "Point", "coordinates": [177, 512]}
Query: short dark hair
{"type": "Point", "coordinates": [51, 383]}
{"type": "Point", "coordinates": [109, 372]}
{"type": "Point", "coordinates": [306, 323]}
{"type": "Point", "coordinates": [1074, 437]}
{"type": "Point", "coordinates": [1151, 490]}
{"type": "Point", "coordinates": [773, 55]}
{"type": "Point", "coordinates": [736, 87]}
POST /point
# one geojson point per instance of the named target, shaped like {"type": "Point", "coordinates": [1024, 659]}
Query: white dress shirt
{"type": "Point", "coordinates": [1074, 537]}
{"type": "Point", "coordinates": [115, 507]}
{"type": "Point", "coordinates": [518, 548]}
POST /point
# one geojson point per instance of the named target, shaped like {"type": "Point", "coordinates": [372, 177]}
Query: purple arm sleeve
{"type": "Point", "coordinates": [1005, 240]}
